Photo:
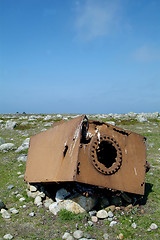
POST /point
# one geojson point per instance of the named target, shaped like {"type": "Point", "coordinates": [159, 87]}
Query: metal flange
{"type": "Point", "coordinates": [105, 154]}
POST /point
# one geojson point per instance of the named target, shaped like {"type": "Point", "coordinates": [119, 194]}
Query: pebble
{"type": "Point", "coordinates": [90, 223]}
{"type": "Point", "coordinates": [105, 236]}
{"type": "Point", "coordinates": [33, 188]}
{"type": "Point", "coordinates": [13, 210]}
{"type": "Point", "coordinates": [110, 214]}
{"type": "Point", "coordinates": [94, 219]}
{"type": "Point", "coordinates": [8, 236]}
{"type": "Point", "coordinates": [111, 208]}
{"type": "Point", "coordinates": [120, 236]}
{"type": "Point", "coordinates": [32, 214]}
{"type": "Point", "coordinates": [22, 199]}
{"type": "Point", "coordinates": [38, 200]}
{"type": "Point", "coordinates": [5, 213]}
{"type": "Point", "coordinates": [110, 219]}
{"type": "Point", "coordinates": [92, 213]}
{"type": "Point", "coordinates": [112, 223]}
{"type": "Point", "coordinates": [78, 234]}
{"type": "Point", "coordinates": [10, 187]}
{"type": "Point", "coordinates": [102, 214]}
{"type": "Point", "coordinates": [66, 235]}
{"type": "Point", "coordinates": [134, 225]}
{"type": "Point", "coordinates": [153, 226]}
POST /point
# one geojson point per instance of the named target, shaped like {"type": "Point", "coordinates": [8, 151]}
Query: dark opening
{"type": "Point", "coordinates": [106, 154]}
{"type": "Point", "coordinates": [65, 151]}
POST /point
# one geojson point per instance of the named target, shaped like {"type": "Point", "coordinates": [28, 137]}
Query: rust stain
{"type": "Point", "coordinates": [90, 152]}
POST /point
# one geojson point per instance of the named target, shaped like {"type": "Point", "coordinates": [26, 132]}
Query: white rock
{"type": "Point", "coordinates": [38, 200]}
{"type": "Point", "coordinates": [69, 205]}
{"type": "Point", "coordinates": [22, 158]}
{"type": "Point", "coordinates": [78, 234]}
{"type": "Point", "coordinates": [66, 235]}
{"type": "Point", "coordinates": [41, 194]}
{"type": "Point", "coordinates": [10, 125]}
{"type": "Point", "coordinates": [94, 219]}
{"type": "Point", "coordinates": [48, 117]}
{"type": "Point", "coordinates": [112, 223]}
{"type": "Point", "coordinates": [90, 223]}
{"type": "Point", "coordinates": [33, 188]}
{"type": "Point", "coordinates": [141, 118]}
{"type": "Point", "coordinates": [22, 199]}
{"type": "Point", "coordinates": [134, 225]}
{"type": "Point", "coordinates": [6, 146]}
{"type": "Point", "coordinates": [47, 202]}
{"type": "Point", "coordinates": [8, 236]}
{"type": "Point", "coordinates": [24, 146]}
{"type": "Point", "coordinates": [105, 236]}
{"type": "Point", "coordinates": [153, 226]}
{"type": "Point", "coordinates": [13, 210]}
{"type": "Point", "coordinates": [55, 208]}
{"type": "Point", "coordinates": [111, 122]}
{"type": "Point", "coordinates": [32, 214]}
{"type": "Point", "coordinates": [5, 213]}
{"type": "Point", "coordinates": [102, 214]}
{"type": "Point", "coordinates": [61, 194]}
{"type": "Point", "coordinates": [110, 214]}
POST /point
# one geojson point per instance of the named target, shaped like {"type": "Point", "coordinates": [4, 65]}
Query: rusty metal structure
{"type": "Point", "coordinates": [90, 152]}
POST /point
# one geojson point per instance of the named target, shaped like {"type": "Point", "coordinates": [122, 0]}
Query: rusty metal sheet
{"type": "Point", "coordinates": [90, 152]}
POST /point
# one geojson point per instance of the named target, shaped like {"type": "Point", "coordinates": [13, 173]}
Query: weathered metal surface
{"type": "Point", "coordinates": [90, 152]}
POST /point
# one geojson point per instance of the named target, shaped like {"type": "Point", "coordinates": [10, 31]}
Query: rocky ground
{"type": "Point", "coordinates": [34, 212]}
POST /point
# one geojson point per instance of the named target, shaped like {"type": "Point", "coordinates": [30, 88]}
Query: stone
{"type": "Point", "coordinates": [24, 146]}
{"type": "Point", "coordinates": [2, 205]}
{"type": "Point", "coordinates": [47, 202]}
{"type": "Point", "coordinates": [38, 200]}
{"type": "Point", "coordinates": [48, 117]}
{"type": "Point", "coordinates": [87, 235]}
{"type": "Point", "coordinates": [6, 146]}
{"type": "Point", "coordinates": [134, 225]}
{"type": "Point", "coordinates": [32, 214]}
{"type": "Point", "coordinates": [10, 187]}
{"type": "Point", "coordinates": [69, 205]}
{"type": "Point", "coordinates": [22, 199]}
{"type": "Point", "coordinates": [94, 219]}
{"type": "Point", "coordinates": [33, 188]}
{"type": "Point", "coordinates": [90, 223]}
{"type": "Point", "coordinates": [13, 210]}
{"type": "Point", "coordinates": [102, 214]}
{"type": "Point", "coordinates": [93, 213]}
{"type": "Point", "coordinates": [8, 236]}
{"type": "Point", "coordinates": [111, 208]}
{"type": "Point", "coordinates": [10, 125]}
{"type": "Point", "coordinates": [66, 235]}
{"type": "Point", "coordinates": [1, 141]}
{"type": "Point", "coordinates": [111, 122]}
{"type": "Point", "coordinates": [86, 203]}
{"type": "Point", "coordinates": [61, 194]}
{"type": "Point", "coordinates": [110, 219]}
{"type": "Point", "coordinates": [153, 226]}
{"type": "Point", "coordinates": [32, 194]}
{"type": "Point", "coordinates": [41, 194]}
{"type": "Point", "coordinates": [112, 223]}
{"type": "Point", "coordinates": [78, 234]}
{"type": "Point", "coordinates": [5, 213]}
{"type": "Point", "coordinates": [110, 214]}
{"type": "Point", "coordinates": [105, 236]}
{"type": "Point", "coordinates": [22, 158]}
{"type": "Point", "coordinates": [140, 118]}
{"type": "Point", "coordinates": [120, 236]}
{"type": "Point", "coordinates": [115, 200]}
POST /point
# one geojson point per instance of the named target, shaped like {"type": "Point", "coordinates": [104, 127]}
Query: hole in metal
{"type": "Point", "coordinates": [106, 154]}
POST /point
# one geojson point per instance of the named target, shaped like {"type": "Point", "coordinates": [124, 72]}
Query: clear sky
{"type": "Point", "coordinates": [79, 56]}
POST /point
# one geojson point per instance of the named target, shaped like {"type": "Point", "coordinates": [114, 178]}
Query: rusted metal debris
{"type": "Point", "coordinates": [90, 152]}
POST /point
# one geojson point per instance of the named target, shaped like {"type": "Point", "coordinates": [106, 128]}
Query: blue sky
{"type": "Point", "coordinates": [79, 56]}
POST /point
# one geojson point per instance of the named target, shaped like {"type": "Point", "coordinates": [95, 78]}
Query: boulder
{"type": "Point", "coordinates": [6, 146]}
{"type": "Point", "coordinates": [10, 125]}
